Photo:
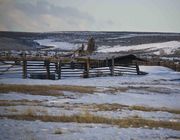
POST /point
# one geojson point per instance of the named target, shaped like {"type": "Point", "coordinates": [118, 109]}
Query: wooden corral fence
{"type": "Point", "coordinates": [53, 68]}
{"type": "Point", "coordinates": [156, 61]}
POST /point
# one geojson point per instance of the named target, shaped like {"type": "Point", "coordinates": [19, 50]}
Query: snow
{"type": "Point", "coordinates": [23, 96]}
{"type": "Point", "coordinates": [128, 98]}
{"type": "Point", "coordinates": [158, 89]}
{"type": "Point", "coordinates": [158, 48]}
{"type": "Point", "coordinates": [12, 129]}
{"type": "Point", "coordinates": [57, 45]}
{"type": "Point", "coordinates": [138, 35]}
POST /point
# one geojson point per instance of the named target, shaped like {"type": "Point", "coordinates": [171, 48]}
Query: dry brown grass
{"type": "Point", "coordinates": [12, 109]}
{"type": "Point", "coordinates": [19, 102]}
{"type": "Point", "coordinates": [113, 90]}
{"type": "Point", "coordinates": [118, 107]}
{"type": "Point", "coordinates": [30, 112]}
{"type": "Point", "coordinates": [109, 107]}
{"type": "Point", "coordinates": [53, 90]}
{"type": "Point", "coordinates": [149, 109]}
{"type": "Point", "coordinates": [89, 118]}
{"type": "Point", "coordinates": [160, 90]}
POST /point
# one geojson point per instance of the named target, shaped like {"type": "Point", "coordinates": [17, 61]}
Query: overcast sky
{"type": "Point", "coordinates": [90, 15]}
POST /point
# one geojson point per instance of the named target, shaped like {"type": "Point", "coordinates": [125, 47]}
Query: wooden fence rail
{"type": "Point", "coordinates": [58, 69]}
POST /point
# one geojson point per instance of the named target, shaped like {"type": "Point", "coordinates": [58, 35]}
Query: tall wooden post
{"type": "Point", "coordinates": [59, 70]}
{"type": "Point", "coordinates": [112, 66]}
{"type": "Point", "coordinates": [107, 63]}
{"type": "Point", "coordinates": [56, 67]}
{"type": "Point", "coordinates": [137, 69]}
{"type": "Point", "coordinates": [72, 65]}
{"type": "Point", "coordinates": [86, 68]}
{"type": "Point", "coordinates": [47, 69]}
{"type": "Point", "coordinates": [24, 69]}
{"type": "Point", "coordinates": [98, 65]}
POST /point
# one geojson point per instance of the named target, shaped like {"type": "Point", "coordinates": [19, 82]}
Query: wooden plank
{"type": "Point", "coordinates": [122, 68]}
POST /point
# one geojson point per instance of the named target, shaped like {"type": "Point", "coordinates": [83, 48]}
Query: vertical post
{"type": "Point", "coordinates": [59, 70]}
{"type": "Point", "coordinates": [112, 66]}
{"type": "Point", "coordinates": [98, 65]}
{"type": "Point", "coordinates": [86, 68]}
{"type": "Point", "coordinates": [24, 69]}
{"type": "Point", "coordinates": [137, 69]}
{"type": "Point", "coordinates": [72, 65]}
{"type": "Point", "coordinates": [56, 67]}
{"type": "Point", "coordinates": [107, 62]}
{"type": "Point", "coordinates": [47, 69]}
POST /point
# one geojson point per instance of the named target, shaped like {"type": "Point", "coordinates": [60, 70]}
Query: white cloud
{"type": "Point", "coordinates": [109, 15]}
{"type": "Point", "coordinates": [42, 16]}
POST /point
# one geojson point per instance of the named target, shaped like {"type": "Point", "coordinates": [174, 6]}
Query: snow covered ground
{"type": "Point", "coordinates": [156, 48]}
{"type": "Point", "coordinates": [72, 131]}
{"type": "Point", "coordinates": [57, 45]}
{"type": "Point", "coordinates": [160, 89]}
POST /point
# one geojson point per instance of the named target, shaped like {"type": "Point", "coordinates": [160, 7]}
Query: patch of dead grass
{"type": "Point", "coordinates": [12, 109]}
{"type": "Point", "coordinates": [109, 107]}
{"type": "Point", "coordinates": [52, 90]}
{"type": "Point", "coordinates": [19, 102]}
{"type": "Point", "coordinates": [118, 107]}
{"type": "Point", "coordinates": [89, 118]}
{"type": "Point", "coordinates": [151, 89]}
{"type": "Point", "coordinates": [150, 109]}
{"type": "Point", "coordinates": [30, 112]}
{"type": "Point", "coordinates": [114, 90]}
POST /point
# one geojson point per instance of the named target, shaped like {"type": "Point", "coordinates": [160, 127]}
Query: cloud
{"type": "Point", "coordinates": [40, 15]}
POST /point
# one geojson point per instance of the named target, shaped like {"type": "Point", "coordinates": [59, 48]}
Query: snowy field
{"type": "Point", "coordinates": [153, 99]}
{"type": "Point", "coordinates": [57, 45]}
{"type": "Point", "coordinates": [156, 48]}
{"type": "Point", "coordinates": [72, 131]}
{"type": "Point", "coordinates": [149, 102]}
{"type": "Point", "coordinates": [154, 96]}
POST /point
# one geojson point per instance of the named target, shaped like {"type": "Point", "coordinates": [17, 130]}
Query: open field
{"type": "Point", "coordinates": [126, 107]}
{"type": "Point", "coordinates": [125, 104]}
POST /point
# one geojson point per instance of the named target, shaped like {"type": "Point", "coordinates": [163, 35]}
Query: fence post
{"type": "Point", "coordinates": [59, 70]}
{"type": "Point", "coordinates": [24, 69]}
{"type": "Point", "coordinates": [137, 69]}
{"type": "Point", "coordinates": [72, 65]}
{"type": "Point", "coordinates": [86, 68]}
{"type": "Point", "coordinates": [112, 66]}
{"type": "Point", "coordinates": [56, 67]}
{"type": "Point", "coordinates": [47, 69]}
{"type": "Point", "coordinates": [107, 62]}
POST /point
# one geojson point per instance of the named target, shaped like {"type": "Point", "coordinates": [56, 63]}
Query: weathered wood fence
{"type": "Point", "coordinates": [60, 68]}
{"type": "Point", "coordinates": [175, 65]}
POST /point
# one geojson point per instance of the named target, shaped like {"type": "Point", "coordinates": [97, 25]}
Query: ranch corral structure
{"type": "Point", "coordinates": [80, 63]}
{"type": "Point", "coordinates": [86, 66]}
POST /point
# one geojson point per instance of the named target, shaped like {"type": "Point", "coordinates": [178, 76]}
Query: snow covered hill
{"type": "Point", "coordinates": [156, 48]}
